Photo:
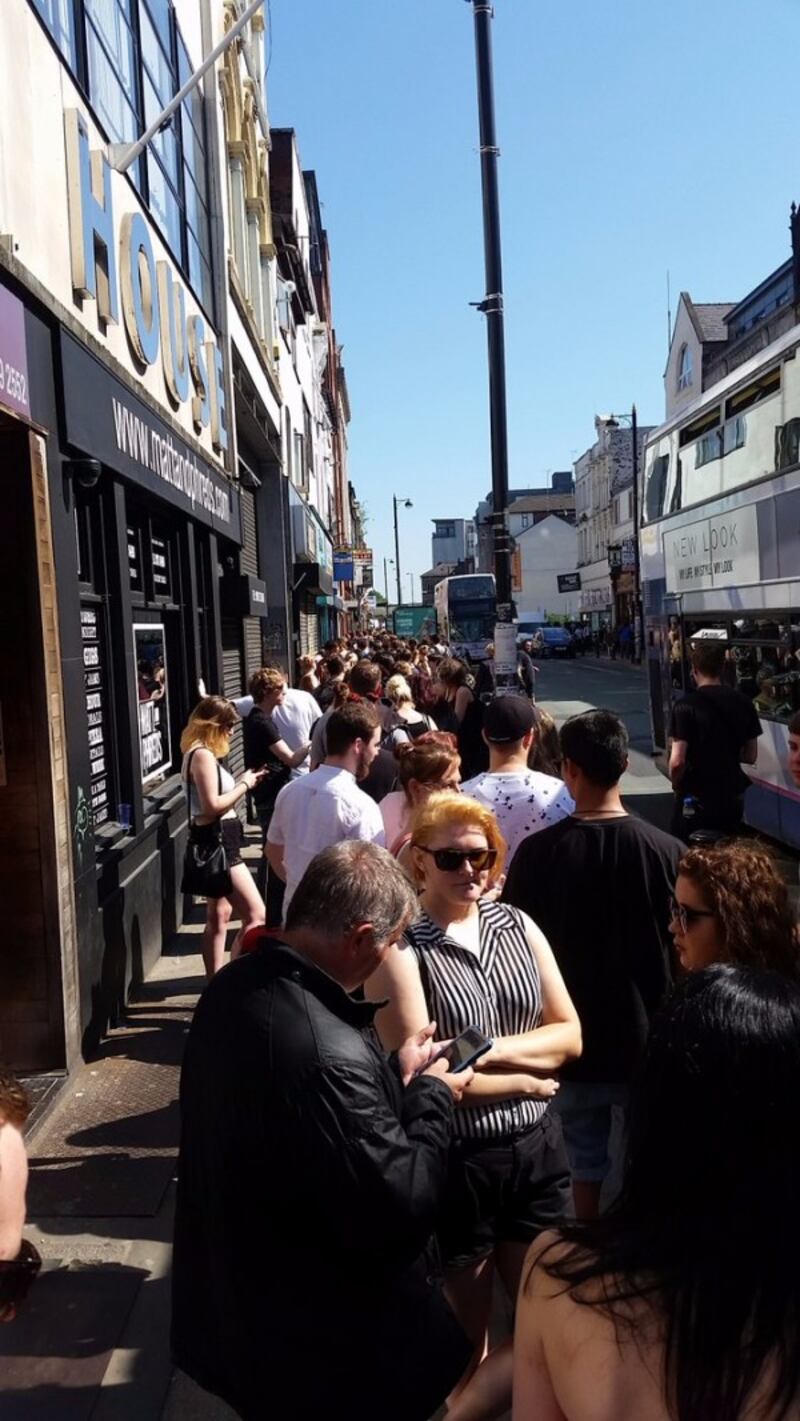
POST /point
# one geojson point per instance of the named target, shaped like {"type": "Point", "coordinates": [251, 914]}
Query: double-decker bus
{"type": "Point", "coordinates": [720, 557]}
{"type": "Point", "coordinates": [466, 612]}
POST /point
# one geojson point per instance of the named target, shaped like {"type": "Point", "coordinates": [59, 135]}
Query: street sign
{"type": "Point", "coordinates": [569, 581]}
{"type": "Point", "coordinates": [343, 565]}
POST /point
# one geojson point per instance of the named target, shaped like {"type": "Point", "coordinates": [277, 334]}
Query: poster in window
{"type": "Point", "coordinates": [151, 673]}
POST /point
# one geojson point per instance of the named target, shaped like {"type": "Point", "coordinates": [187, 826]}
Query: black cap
{"type": "Point", "coordinates": [507, 719]}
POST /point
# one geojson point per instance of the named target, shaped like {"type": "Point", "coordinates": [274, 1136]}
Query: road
{"type": "Point", "coordinates": [566, 688]}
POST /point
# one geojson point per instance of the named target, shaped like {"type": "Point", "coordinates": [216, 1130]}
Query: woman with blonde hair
{"type": "Point", "coordinates": [470, 961]}
{"type": "Point", "coordinates": [307, 670]}
{"type": "Point", "coordinates": [431, 762]}
{"type": "Point", "coordinates": [213, 795]}
{"type": "Point", "coordinates": [731, 905]}
{"type": "Point", "coordinates": [404, 722]}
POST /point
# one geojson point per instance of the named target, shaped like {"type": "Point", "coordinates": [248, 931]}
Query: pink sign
{"type": "Point", "coordinates": [14, 391]}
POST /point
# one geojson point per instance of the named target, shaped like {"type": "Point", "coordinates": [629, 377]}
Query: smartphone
{"type": "Point", "coordinates": [464, 1049]}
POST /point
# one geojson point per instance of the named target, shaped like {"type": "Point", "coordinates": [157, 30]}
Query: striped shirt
{"type": "Point", "coordinates": [496, 989]}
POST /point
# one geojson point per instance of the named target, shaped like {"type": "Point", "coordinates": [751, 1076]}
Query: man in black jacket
{"type": "Point", "coordinates": [312, 1170]}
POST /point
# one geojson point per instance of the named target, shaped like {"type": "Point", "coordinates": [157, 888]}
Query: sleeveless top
{"type": "Point", "coordinates": [226, 782]}
{"type": "Point", "coordinates": [496, 989]}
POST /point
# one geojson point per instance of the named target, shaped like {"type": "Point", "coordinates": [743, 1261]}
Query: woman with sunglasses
{"type": "Point", "coordinates": [471, 961]}
{"type": "Point", "coordinates": [213, 796]}
{"type": "Point", "coordinates": [731, 905]}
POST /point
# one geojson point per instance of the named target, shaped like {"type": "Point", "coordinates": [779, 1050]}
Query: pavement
{"type": "Point", "coordinates": [92, 1343]}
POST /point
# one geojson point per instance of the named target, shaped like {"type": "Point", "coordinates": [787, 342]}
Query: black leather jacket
{"type": "Point", "coordinates": [309, 1185]}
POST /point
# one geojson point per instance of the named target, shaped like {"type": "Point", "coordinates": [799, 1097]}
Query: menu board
{"type": "Point", "coordinates": [161, 578]}
{"type": "Point", "coordinates": [134, 558]}
{"type": "Point", "coordinates": [96, 709]}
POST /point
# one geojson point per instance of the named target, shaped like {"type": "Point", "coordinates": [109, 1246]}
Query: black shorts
{"type": "Point", "coordinates": [232, 837]}
{"type": "Point", "coordinates": [504, 1191]}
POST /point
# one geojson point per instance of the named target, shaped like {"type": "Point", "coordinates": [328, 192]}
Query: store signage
{"type": "Point", "coordinates": [614, 557]}
{"type": "Point", "coordinates": [116, 427]}
{"type": "Point", "coordinates": [151, 673]}
{"type": "Point", "coordinates": [114, 264]}
{"type": "Point", "coordinates": [343, 565]}
{"type": "Point", "coordinates": [14, 390]}
{"type": "Point", "coordinates": [715, 552]}
{"type": "Point", "coordinates": [568, 581]}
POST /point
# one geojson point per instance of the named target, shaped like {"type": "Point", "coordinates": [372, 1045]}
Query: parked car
{"type": "Point", "coordinates": [528, 630]}
{"type": "Point", "coordinates": [555, 641]}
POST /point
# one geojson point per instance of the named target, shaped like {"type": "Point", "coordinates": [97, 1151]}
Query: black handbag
{"type": "Point", "coordinates": [206, 873]}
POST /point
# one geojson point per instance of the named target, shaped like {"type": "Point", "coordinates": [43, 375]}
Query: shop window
{"type": "Point", "coordinates": [685, 368]}
{"type": "Point", "coordinates": [150, 651]}
{"type": "Point", "coordinates": [161, 559]}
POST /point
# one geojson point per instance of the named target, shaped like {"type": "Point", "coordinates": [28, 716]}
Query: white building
{"type": "Point", "coordinates": [452, 540]}
{"type": "Point", "coordinates": [545, 552]}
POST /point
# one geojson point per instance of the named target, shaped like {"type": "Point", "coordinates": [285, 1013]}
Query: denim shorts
{"type": "Point", "coordinates": [586, 1111]}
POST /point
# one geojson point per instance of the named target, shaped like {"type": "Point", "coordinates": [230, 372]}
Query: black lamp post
{"type": "Point", "coordinates": [638, 619]}
{"type": "Point", "coordinates": [406, 502]}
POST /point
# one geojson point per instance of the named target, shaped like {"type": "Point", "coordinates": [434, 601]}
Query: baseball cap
{"type": "Point", "coordinates": [508, 718]}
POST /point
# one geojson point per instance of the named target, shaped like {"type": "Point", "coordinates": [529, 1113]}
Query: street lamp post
{"type": "Point", "coordinates": [406, 502]}
{"type": "Point", "coordinates": [638, 617]}
{"type": "Point", "coordinates": [493, 308]}
{"type": "Point", "coordinates": [387, 562]}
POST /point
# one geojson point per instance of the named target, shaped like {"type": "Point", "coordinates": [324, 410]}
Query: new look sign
{"type": "Point", "coordinates": [716, 552]}
{"type": "Point", "coordinates": [114, 264]}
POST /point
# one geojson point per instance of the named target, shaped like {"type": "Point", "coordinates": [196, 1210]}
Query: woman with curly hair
{"type": "Point", "coordinates": [731, 905]}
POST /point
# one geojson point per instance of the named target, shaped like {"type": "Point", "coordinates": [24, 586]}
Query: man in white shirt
{"type": "Point", "coordinates": [327, 807]}
{"type": "Point", "coordinates": [523, 800]}
{"type": "Point", "coordinates": [295, 718]}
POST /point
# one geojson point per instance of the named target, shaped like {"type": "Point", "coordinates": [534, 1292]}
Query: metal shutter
{"type": "Point", "coordinates": [232, 687]}
{"type": "Point", "coordinates": [309, 629]}
{"type": "Point", "coordinates": [248, 557]}
{"type": "Point", "coordinates": [253, 654]}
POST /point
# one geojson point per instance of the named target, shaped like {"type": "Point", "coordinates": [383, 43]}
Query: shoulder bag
{"type": "Point", "coordinates": [205, 865]}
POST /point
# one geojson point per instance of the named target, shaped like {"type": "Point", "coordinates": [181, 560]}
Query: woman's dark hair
{"type": "Point", "coordinates": [706, 1230]}
{"type": "Point", "coordinates": [740, 883]}
{"type": "Point", "coordinates": [453, 672]}
{"type": "Point", "coordinates": [794, 724]}
{"type": "Point", "coordinates": [427, 758]}
{"type": "Point", "coordinates": [597, 742]}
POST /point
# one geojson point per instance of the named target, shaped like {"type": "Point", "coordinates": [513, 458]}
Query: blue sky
{"type": "Point", "coordinates": [636, 138]}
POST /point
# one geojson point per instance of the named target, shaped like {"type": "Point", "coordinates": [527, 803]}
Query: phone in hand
{"type": "Point", "coordinates": [464, 1050]}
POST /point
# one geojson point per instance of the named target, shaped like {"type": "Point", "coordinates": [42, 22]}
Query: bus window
{"type": "Point", "coordinates": [765, 651]}
{"type": "Point", "coordinates": [677, 492]}
{"type": "Point", "coordinates": [656, 490]}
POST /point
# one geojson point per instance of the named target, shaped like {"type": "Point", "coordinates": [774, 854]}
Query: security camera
{"type": "Point", "coordinates": [85, 472]}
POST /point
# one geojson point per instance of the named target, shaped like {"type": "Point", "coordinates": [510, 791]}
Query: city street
{"type": "Point", "coordinates": [566, 688]}
{"type": "Point", "coordinates": [102, 1163]}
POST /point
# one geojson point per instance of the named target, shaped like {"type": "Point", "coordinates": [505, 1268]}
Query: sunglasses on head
{"type": "Point", "coordinates": [685, 916]}
{"type": "Point", "coordinates": [450, 860]}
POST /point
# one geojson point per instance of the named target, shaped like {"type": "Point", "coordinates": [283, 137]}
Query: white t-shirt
{"type": "Point", "coordinates": [316, 811]}
{"type": "Point", "coordinates": [524, 802]}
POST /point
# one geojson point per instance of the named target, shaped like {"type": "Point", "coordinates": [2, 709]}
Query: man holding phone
{"type": "Point", "coordinates": [312, 1171]}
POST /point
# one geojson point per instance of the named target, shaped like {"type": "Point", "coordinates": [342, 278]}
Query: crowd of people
{"type": "Point", "coordinates": [463, 969]}
{"type": "Point", "coordinates": [450, 867]}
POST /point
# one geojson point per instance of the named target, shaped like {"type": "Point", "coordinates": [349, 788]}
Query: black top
{"type": "Point", "coordinates": [382, 776]}
{"type": "Point", "coordinates": [600, 891]}
{"type": "Point", "coordinates": [309, 1183]}
{"type": "Point", "coordinates": [260, 734]}
{"type": "Point", "coordinates": [716, 722]}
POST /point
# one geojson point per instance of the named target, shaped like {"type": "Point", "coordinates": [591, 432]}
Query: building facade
{"type": "Point", "coordinates": [163, 416]}
{"type": "Point", "coordinates": [453, 540]}
{"type": "Point", "coordinates": [604, 510]}
{"type": "Point", "coordinates": [544, 565]}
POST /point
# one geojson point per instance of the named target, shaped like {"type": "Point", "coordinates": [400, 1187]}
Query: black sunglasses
{"type": "Point", "coordinates": [449, 860]}
{"type": "Point", "coordinates": [685, 916]}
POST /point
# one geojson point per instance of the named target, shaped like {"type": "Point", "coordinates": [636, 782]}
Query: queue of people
{"type": "Point", "coordinates": [600, 972]}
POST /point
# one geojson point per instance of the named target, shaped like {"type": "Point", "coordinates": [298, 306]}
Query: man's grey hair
{"type": "Point", "coordinates": [349, 884]}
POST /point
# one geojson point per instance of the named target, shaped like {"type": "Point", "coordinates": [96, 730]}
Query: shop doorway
{"type": "Point", "coordinates": [32, 802]}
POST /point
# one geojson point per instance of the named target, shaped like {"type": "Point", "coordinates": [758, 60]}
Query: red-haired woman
{"type": "Point", "coordinates": [731, 905]}
{"type": "Point", "coordinates": [471, 961]}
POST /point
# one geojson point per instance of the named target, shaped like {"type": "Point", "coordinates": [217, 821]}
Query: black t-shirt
{"type": "Point", "coordinates": [382, 776]}
{"type": "Point", "coordinates": [259, 736]}
{"type": "Point", "coordinates": [600, 891]}
{"type": "Point", "coordinates": [715, 722]}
